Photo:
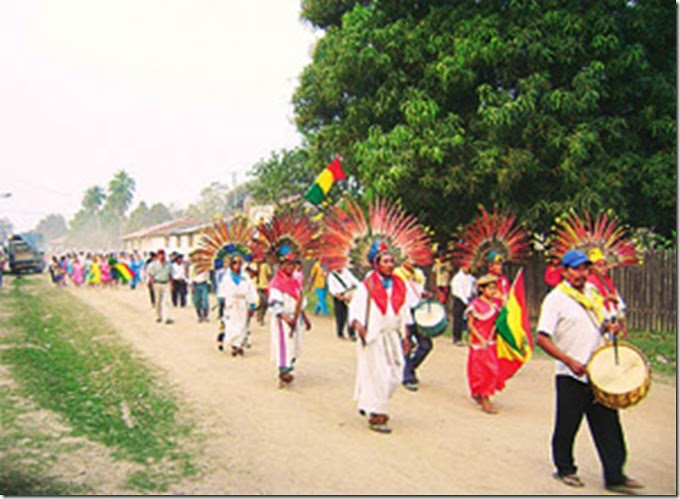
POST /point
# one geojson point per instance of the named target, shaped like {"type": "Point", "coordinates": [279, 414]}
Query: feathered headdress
{"type": "Point", "coordinates": [349, 235]}
{"type": "Point", "coordinates": [603, 236]}
{"type": "Point", "coordinates": [290, 233]}
{"type": "Point", "coordinates": [223, 240]}
{"type": "Point", "coordinates": [488, 236]}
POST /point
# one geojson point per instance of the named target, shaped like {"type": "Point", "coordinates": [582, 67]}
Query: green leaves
{"type": "Point", "coordinates": [535, 106]}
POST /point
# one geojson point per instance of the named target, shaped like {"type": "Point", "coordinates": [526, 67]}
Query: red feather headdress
{"type": "Point", "coordinates": [604, 233]}
{"type": "Point", "coordinates": [289, 232]}
{"type": "Point", "coordinates": [222, 240]}
{"type": "Point", "coordinates": [491, 232]}
{"type": "Point", "coordinates": [349, 232]}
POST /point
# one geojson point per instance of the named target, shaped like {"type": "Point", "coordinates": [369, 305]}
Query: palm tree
{"type": "Point", "coordinates": [93, 199]}
{"type": "Point", "coordinates": [121, 192]}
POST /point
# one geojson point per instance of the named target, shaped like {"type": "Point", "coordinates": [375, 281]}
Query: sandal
{"type": "Point", "coordinates": [628, 487]}
{"type": "Point", "coordinates": [572, 480]}
{"type": "Point", "coordinates": [380, 428]}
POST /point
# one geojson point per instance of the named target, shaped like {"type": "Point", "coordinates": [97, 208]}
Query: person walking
{"type": "Point", "coordinates": [570, 328]}
{"type": "Point", "coordinates": [381, 237]}
{"type": "Point", "coordinates": [463, 290]}
{"type": "Point", "coordinates": [240, 298]}
{"type": "Point", "coordinates": [286, 238]}
{"type": "Point", "coordinates": [147, 279]}
{"type": "Point", "coordinates": [341, 284]}
{"type": "Point", "coordinates": [482, 363]}
{"type": "Point", "coordinates": [179, 282]}
{"type": "Point", "coordinates": [317, 280]}
{"type": "Point", "coordinates": [264, 275]}
{"type": "Point", "coordinates": [159, 271]}
{"type": "Point", "coordinates": [441, 271]}
{"type": "Point", "coordinates": [199, 283]}
{"type": "Point", "coordinates": [380, 315]}
{"type": "Point", "coordinates": [420, 345]}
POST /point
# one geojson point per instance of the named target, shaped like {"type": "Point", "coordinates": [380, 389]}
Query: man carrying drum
{"type": "Point", "coordinates": [421, 344]}
{"type": "Point", "coordinates": [570, 329]}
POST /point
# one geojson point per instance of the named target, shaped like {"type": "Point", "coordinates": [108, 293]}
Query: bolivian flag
{"type": "Point", "coordinates": [323, 183]}
{"type": "Point", "coordinates": [124, 271]}
{"type": "Point", "coordinates": [514, 342]}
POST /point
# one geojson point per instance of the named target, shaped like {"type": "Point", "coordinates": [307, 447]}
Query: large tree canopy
{"type": "Point", "coordinates": [536, 107]}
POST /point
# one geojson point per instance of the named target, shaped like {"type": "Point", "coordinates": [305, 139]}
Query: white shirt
{"type": "Point", "coordinates": [463, 286]}
{"type": "Point", "coordinates": [178, 272]}
{"type": "Point", "coordinates": [345, 282]}
{"type": "Point", "coordinates": [572, 329]}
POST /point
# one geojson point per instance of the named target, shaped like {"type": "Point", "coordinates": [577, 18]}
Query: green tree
{"type": "Point", "coordinates": [213, 202]}
{"type": "Point", "coordinates": [121, 191]}
{"type": "Point", "coordinates": [284, 174]}
{"type": "Point", "coordinates": [93, 199]}
{"type": "Point", "coordinates": [52, 226]}
{"type": "Point", "coordinates": [536, 107]}
{"type": "Point", "coordinates": [143, 216]}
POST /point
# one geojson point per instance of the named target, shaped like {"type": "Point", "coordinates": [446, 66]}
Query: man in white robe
{"type": "Point", "coordinates": [379, 313]}
{"type": "Point", "coordinates": [286, 303]}
{"type": "Point", "coordinates": [240, 297]}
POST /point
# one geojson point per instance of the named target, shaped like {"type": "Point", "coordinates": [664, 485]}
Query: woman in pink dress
{"type": "Point", "coordinates": [78, 272]}
{"type": "Point", "coordinates": [106, 271]}
{"type": "Point", "coordinates": [482, 365]}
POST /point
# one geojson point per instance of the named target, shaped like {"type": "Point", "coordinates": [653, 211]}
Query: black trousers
{"type": "Point", "coordinates": [416, 357]}
{"type": "Point", "coordinates": [341, 313]}
{"type": "Point", "coordinates": [458, 322]}
{"type": "Point", "coordinates": [179, 293]}
{"type": "Point", "coordinates": [574, 399]}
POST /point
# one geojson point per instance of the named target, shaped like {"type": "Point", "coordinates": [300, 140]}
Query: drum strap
{"type": "Point", "coordinates": [342, 283]}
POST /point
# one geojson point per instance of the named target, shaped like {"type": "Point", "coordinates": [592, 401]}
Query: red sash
{"type": "Point", "coordinates": [286, 284]}
{"type": "Point", "coordinates": [379, 294]}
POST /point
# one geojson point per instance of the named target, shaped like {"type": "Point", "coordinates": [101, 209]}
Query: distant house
{"type": "Point", "coordinates": [179, 235]}
{"type": "Point", "coordinates": [183, 234]}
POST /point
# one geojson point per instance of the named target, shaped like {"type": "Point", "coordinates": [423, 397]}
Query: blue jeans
{"type": "Point", "coordinates": [321, 306]}
{"type": "Point", "coordinates": [199, 297]}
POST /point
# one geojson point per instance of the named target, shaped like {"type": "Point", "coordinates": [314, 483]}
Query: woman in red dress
{"type": "Point", "coordinates": [482, 366]}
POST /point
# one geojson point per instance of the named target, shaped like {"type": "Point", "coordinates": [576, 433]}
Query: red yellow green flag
{"type": "Point", "coordinates": [514, 342]}
{"type": "Point", "coordinates": [323, 183]}
{"type": "Point", "coordinates": [124, 271]}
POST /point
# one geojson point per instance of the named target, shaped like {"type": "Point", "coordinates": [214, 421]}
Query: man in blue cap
{"type": "Point", "coordinates": [570, 329]}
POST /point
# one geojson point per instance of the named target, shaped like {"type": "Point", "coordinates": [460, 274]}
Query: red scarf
{"type": "Point", "coordinates": [286, 284]}
{"type": "Point", "coordinates": [378, 292]}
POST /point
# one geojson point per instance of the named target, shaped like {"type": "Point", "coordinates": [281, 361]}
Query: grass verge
{"type": "Point", "coordinates": [67, 359]}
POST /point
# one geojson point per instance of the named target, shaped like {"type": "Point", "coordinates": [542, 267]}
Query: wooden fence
{"type": "Point", "coordinates": [649, 290]}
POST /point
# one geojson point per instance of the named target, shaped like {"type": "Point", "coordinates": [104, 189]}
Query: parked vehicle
{"type": "Point", "coordinates": [24, 255]}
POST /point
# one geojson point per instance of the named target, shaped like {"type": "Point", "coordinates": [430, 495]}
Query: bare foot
{"type": "Point", "coordinates": [488, 407]}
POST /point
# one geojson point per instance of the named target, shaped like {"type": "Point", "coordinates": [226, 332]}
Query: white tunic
{"type": "Point", "coordinates": [286, 347]}
{"type": "Point", "coordinates": [237, 298]}
{"type": "Point", "coordinates": [380, 363]}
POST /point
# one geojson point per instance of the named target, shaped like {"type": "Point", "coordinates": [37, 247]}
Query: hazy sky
{"type": "Point", "coordinates": [179, 93]}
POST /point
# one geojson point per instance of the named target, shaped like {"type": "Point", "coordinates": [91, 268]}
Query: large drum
{"type": "Point", "coordinates": [430, 317]}
{"type": "Point", "coordinates": [623, 384]}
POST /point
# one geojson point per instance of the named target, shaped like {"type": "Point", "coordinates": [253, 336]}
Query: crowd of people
{"type": "Point", "coordinates": [374, 305]}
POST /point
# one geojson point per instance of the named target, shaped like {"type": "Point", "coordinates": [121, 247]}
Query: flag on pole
{"type": "Point", "coordinates": [514, 342]}
{"type": "Point", "coordinates": [323, 183]}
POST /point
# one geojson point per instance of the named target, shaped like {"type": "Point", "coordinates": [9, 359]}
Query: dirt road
{"type": "Point", "coordinates": [310, 439]}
